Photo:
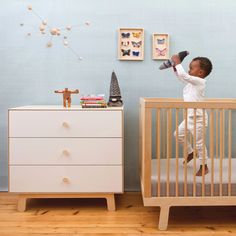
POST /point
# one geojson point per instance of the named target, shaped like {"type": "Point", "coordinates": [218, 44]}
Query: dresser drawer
{"type": "Point", "coordinates": [60, 151]}
{"type": "Point", "coordinates": [65, 123]}
{"type": "Point", "coordinates": [67, 179]}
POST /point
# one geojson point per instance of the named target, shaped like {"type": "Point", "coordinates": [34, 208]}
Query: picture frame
{"type": "Point", "coordinates": [160, 46]}
{"type": "Point", "coordinates": [131, 44]}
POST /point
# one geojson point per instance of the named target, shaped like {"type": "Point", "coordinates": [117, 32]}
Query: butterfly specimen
{"type": "Point", "coordinates": [136, 44]}
{"type": "Point", "coordinates": [135, 53]}
{"type": "Point", "coordinates": [136, 34]}
{"type": "Point", "coordinates": [125, 43]}
{"type": "Point", "coordinates": [161, 52]}
{"type": "Point", "coordinates": [125, 52]}
{"type": "Point", "coordinates": [125, 35]}
{"type": "Point", "coordinates": [161, 41]}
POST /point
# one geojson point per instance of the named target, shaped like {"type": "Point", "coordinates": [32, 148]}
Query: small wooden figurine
{"type": "Point", "coordinates": [67, 96]}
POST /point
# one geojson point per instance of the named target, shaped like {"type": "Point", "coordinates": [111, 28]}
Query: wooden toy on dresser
{"type": "Point", "coordinates": [67, 96]}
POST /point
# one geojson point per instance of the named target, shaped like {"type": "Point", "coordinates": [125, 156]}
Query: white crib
{"type": "Point", "coordinates": [165, 180]}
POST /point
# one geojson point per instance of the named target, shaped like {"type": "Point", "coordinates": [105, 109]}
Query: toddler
{"type": "Point", "coordinates": [194, 91]}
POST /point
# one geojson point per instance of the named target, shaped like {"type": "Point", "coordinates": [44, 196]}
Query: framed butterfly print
{"type": "Point", "coordinates": [131, 44]}
{"type": "Point", "coordinates": [160, 46]}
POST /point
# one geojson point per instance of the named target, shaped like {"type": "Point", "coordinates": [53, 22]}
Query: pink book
{"type": "Point", "coordinates": [92, 98]}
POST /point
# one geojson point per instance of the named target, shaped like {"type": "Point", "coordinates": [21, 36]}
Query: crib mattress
{"type": "Point", "coordinates": [190, 181]}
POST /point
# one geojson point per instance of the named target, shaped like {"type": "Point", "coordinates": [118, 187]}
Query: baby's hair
{"type": "Point", "coordinates": [205, 64]}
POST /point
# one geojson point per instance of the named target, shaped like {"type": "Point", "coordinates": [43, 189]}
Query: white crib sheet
{"type": "Point", "coordinates": [190, 172]}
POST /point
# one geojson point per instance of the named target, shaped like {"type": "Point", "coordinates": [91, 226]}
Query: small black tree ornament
{"type": "Point", "coordinates": [115, 96]}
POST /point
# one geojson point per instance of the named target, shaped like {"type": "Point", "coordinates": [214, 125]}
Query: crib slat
{"type": "Point", "coordinates": [177, 153]}
{"type": "Point", "coordinates": [147, 151]}
{"type": "Point", "coordinates": [163, 132]}
{"type": "Point", "coordinates": [194, 151]}
{"type": "Point", "coordinates": [229, 150]}
{"type": "Point", "coordinates": [185, 150]}
{"type": "Point", "coordinates": [158, 151]}
{"type": "Point", "coordinates": [169, 145]}
{"type": "Point", "coordinates": [212, 149]}
{"type": "Point", "coordinates": [217, 134]}
{"type": "Point", "coordinates": [221, 147]}
{"type": "Point", "coordinates": [204, 151]}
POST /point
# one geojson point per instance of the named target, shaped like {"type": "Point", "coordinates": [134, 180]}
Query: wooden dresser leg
{"type": "Point", "coordinates": [164, 217]}
{"type": "Point", "coordinates": [21, 204]}
{"type": "Point", "coordinates": [111, 202]}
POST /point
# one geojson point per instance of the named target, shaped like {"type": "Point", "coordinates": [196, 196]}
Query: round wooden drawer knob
{"type": "Point", "coordinates": [65, 124]}
{"type": "Point", "coordinates": [66, 152]}
{"type": "Point", "coordinates": [66, 180]}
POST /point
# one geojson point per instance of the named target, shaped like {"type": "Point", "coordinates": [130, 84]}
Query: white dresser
{"type": "Point", "coordinates": [57, 152]}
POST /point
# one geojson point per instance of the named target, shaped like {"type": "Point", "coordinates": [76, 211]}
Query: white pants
{"type": "Point", "coordinates": [199, 136]}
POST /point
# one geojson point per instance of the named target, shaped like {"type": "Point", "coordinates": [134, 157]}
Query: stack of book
{"type": "Point", "coordinates": [92, 101]}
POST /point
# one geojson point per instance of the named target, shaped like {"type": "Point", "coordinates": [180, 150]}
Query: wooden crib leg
{"type": "Point", "coordinates": [164, 217]}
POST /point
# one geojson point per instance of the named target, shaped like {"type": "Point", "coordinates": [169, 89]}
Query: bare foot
{"type": "Point", "coordinates": [189, 158]}
{"type": "Point", "coordinates": [199, 173]}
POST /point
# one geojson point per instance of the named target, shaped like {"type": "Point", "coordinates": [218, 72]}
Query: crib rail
{"type": "Point", "coordinates": [159, 118]}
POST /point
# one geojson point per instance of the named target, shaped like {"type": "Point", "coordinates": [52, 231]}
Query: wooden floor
{"type": "Point", "coordinates": [90, 217]}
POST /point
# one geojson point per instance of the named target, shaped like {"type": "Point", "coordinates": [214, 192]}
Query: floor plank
{"type": "Point", "coordinates": [90, 217]}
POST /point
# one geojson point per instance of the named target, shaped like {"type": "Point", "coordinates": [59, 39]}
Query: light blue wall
{"type": "Point", "coordinates": [29, 72]}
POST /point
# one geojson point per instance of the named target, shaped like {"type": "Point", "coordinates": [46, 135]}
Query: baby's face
{"type": "Point", "coordinates": [195, 69]}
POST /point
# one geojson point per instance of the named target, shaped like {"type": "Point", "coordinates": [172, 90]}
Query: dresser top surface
{"type": "Point", "coordinates": [61, 108]}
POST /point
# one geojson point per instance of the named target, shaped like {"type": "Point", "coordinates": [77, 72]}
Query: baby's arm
{"type": "Point", "coordinates": [185, 77]}
{"type": "Point", "coordinates": [182, 75]}
{"type": "Point", "coordinates": [176, 60]}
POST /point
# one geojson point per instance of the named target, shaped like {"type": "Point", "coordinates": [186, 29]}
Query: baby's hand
{"type": "Point", "coordinates": [176, 59]}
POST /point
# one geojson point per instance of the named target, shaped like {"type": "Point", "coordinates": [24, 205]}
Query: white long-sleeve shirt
{"type": "Point", "coordinates": [194, 90]}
